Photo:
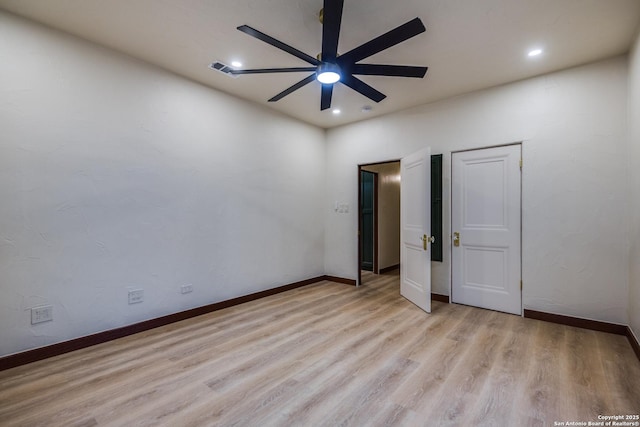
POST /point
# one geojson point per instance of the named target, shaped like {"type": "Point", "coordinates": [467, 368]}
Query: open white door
{"type": "Point", "coordinates": [415, 223]}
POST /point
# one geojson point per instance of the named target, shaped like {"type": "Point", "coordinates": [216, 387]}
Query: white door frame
{"type": "Point", "coordinates": [521, 144]}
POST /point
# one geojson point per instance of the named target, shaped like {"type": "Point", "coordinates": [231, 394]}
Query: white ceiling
{"type": "Point", "coordinates": [468, 44]}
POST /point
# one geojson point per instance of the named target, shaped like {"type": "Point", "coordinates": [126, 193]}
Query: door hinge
{"type": "Point", "coordinates": [520, 164]}
{"type": "Point", "coordinates": [520, 284]}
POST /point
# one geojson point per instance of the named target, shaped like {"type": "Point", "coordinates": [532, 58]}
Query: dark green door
{"type": "Point", "coordinates": [367, 197]}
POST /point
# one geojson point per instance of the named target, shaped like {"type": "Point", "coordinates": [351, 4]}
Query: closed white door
{"type": "Point", "coordinates": [486, 228]}
{"type": "Point", "coordinates": [415, 223]}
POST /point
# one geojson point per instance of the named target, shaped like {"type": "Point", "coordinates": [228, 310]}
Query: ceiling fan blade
{"type": "Point", "coordinates": [385, 41]}
{"type": "Point", "coordinates": [363, 88]}
{"type": "Point", "coordinates": [332, 17]}
{"type": "Point", "coordinates": [293, 88]}
{"type": "Point", "coordinates": [325, 99]}
{"type": "Point", "coordinates": [277, 43]}
{"type": "Point", "coordinates": [273, 70]}
{"type": "Point", "coordinates": [388, 70]}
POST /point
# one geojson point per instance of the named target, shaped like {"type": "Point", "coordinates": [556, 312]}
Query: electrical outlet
{"type": "Point", "coordinates": [41, 314]}
{"type": "Point", "coordinates": [185, 289]}
{"type": "Point", "coordinates": [136, 296]}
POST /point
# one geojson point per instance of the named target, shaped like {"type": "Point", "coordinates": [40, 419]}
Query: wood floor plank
{"type": "Point", "coordinates": [547, 393]}
{"type": "Point", "coordinates": [621, 373]}
{"type": "Point", "coordinates": [464, 384]}
{"type": "Point", "coordinates": [587, 373]}
{"type": "Point", "coordinates": [331, 354]}
{"type": "Point", "coordinates": [372, 392]}
{"type": "Point", "coordinates": [494, 405]}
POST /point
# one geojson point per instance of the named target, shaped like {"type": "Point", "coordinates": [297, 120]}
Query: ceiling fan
{"type": "Point", "coordinates": [331, 68]}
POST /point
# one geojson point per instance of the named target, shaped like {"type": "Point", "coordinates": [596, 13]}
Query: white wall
{"type": "Point", "coordinates": [117, 175]}
{"type": "Point", "coordinates": [573, 127]}
{"type": "Point", "coordinates": [634, 187]}
{"type": "Point", "coordinates": [388, 213]}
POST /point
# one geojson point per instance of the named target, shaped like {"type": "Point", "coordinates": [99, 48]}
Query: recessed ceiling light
{"type": "Point", "coordinates": [535, 52]}
{"type": "Point", "coordinates": [336, 111]}
{"type": "Point", "coordinates": [236, 64]}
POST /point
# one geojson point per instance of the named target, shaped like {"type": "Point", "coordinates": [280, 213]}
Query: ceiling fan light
{"type": "Point", "coordinates": [328, 77]}
{"type": "Point", "coordinates": [328, 73]}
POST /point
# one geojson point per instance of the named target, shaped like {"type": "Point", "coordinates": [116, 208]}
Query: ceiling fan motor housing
{"type": "Point", "coordinates": [328, 73]}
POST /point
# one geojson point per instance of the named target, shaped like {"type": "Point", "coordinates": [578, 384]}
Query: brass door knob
{"type": "Point", "coordinates": [426, 239]}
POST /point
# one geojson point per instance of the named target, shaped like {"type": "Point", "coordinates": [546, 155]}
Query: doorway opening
{"type": "Point", "coordinates": [381, 257]}
{"type": "Point", "coordinates": [378, 219]}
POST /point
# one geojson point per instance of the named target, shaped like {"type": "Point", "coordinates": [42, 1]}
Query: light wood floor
{"type": "Point", "coordinates": [331, 354]}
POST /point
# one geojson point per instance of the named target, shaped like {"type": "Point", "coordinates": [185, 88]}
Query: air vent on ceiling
{"type": "Point", "coordinates": [223, 68]}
